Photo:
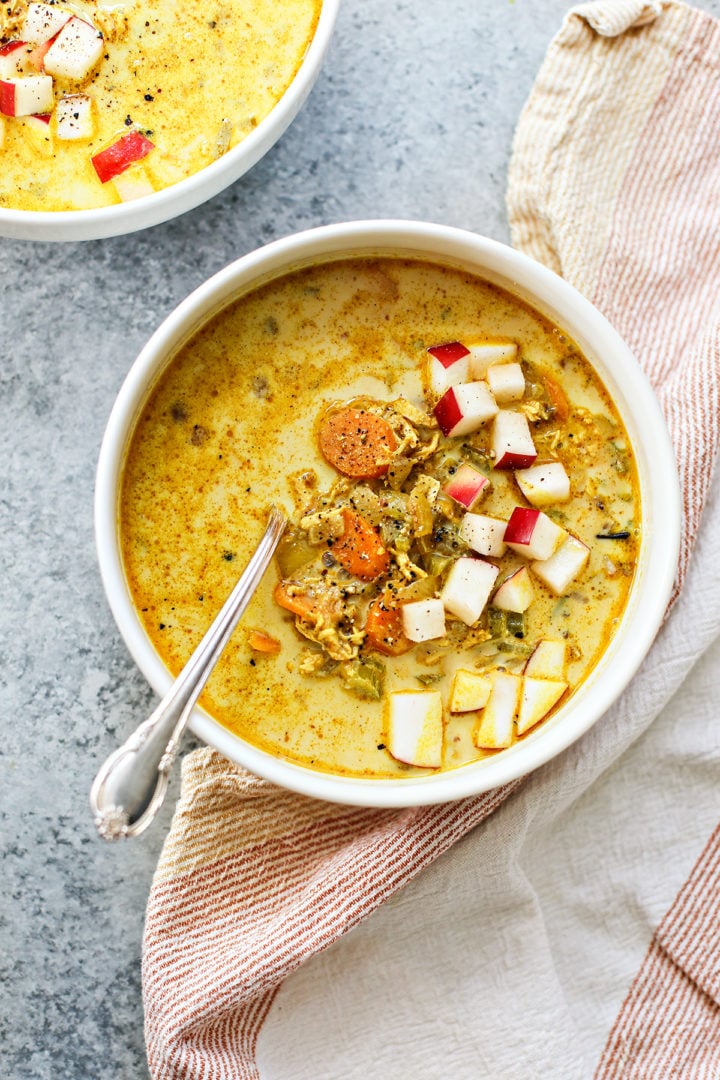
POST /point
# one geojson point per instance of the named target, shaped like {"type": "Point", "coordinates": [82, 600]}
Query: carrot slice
{"type": "Point", "coordinates": [300, 604]}
{"type": "Point", "coordinates": [261, 642]}
{"type": "Point", "coordinates": [557, 397]}
{"type": "Point", "coordinates": [357, 442]}
{"type": "Point", "coordinates": [384, 627]}
{"type": "Point", "coordinates": [360, 550]}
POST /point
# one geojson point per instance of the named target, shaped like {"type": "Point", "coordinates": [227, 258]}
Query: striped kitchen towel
{"type": "Point", "coordinates": [669, 1024]}
{"type": "Point", "coordinates": [614, 184]}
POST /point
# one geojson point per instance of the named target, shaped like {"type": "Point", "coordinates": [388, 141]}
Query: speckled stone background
{"type": "Point", "coordinates": [411, 117]}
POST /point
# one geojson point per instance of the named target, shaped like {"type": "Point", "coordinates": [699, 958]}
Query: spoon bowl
{"type": "Point", "coordinates": [130, 787]}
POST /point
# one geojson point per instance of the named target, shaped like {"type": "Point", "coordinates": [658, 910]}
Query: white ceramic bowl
{"type": "Point", "coordinates": [621, 375]}
{"type": "Point", "coordinates": [170, 202]}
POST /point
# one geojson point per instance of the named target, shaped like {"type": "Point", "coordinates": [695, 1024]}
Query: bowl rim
{"type": "Point", "coordinates": [631, 391]}
{"type": "Point", "coordinates": [119, 219]}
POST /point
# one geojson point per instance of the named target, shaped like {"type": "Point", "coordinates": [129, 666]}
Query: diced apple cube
{"type": "Point", "coordinates": [538, 698]}
{"type": "Point", "coordinates": [506, 381]}
{"type": "Point", "coordinates": [469, 691]}
{"type": "Point", "coordinates": [494, 729]}
{"type": "Point", "coordinates": [484, 534]}
{"type": "Point", "coordinates": [43, 22]}
{"type": "Point", "coordinates": [423, 620]}
{"type": "Point", "coordinates": [415, 727]}
{"type": "Point", "coordinates": [516, 592]}
{"type": "Point", "coordinates": [75, 51]}
{"type": "Point", "coordinates": [14, 59]}
{"type": "Point", "coordinates": [448, 365]}
{"type": "Point", "coordinates": [558, 570]}
{"type": "Point", "coordinates": [512, 441]}
{"type": "Point", "coordinates": [36, 130]}
{"type": "Point", "coordinates": [26, 96]}
{"type": "Point", "coordinates": [36, 58]}
{"type": "Point", "coordinates": [543, 485]}
{"type": "Point", "coordinates": [485, 353]}
{"type": "Point", "coordinates": [466, 486]}
{"type": "Point", "coordinates": [547, 660]}
{"type": "Point", "coordinates": [464, 408]}
{"type": "Point", "coordinates": [74, 117]}
{"type": "Point", "coordinates": [133, 184]}
{"type": "Point", "coordinates": [532, 533]}
{"type": "Point", "coordinates": [120, 155]}
{"type": "Point", "coordinates": [467, 588]}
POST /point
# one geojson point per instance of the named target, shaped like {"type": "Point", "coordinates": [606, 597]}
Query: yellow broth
{"type": "Point", "coordinates": [230, 428]}
{"type": "Point", "coordinates": [173, 71]}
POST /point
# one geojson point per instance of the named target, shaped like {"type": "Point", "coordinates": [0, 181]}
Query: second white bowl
{"type": "Point", "coordinates": [170, 202]}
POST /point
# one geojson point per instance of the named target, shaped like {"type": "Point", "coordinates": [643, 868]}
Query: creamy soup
{"type": "Point", "coordinates": [464, 515]}
{"type": "Point", "coordinates": [105, 102]}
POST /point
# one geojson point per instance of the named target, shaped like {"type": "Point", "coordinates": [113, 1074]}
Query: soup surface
{"type": "Point", "coordinates": [165, 87]}
{"type": "Point", "coordinates": [388, 667]}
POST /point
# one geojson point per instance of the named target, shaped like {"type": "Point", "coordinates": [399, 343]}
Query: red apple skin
{"type": "Point", "coordinates": [118, 157]}
{"type": "Point", "coordinates": [448, 354]}
{"type": "Point", "coordinates": [466, 492]}
{"type": "Point", "coordinates": [514, 461]}
{"type": "Point", "coordinates": [11, 47]}
{"type": "Point", "coordinates": [447, 411]}
{"type": "Point", "coordinates": [37, 56]}
{"type": "Point", "coordinates": [521, 525]}
{"type": "Point", "coordinates": [7, 99]}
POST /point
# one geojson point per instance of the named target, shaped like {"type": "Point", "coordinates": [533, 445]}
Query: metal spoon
{"type": "Point", "coordinates": [130, 787]}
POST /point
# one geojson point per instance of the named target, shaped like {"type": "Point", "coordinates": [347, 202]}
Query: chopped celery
{"type": "Point", "coordinates": [364, 677]}
{"type": "Point", "coordinates": [497, 624]}
{"type": "Point", "coordinates": [559, 516]}
{"type": "Point", "coordinates": [516, 647]}
{"type": "Point", "coordinates": [478, 456]}
{"type": "Point", "coordinates": [447, 541]}
{"type": "Point", "coordinates": [437, 564]}
{"type": "Point", "coordinates": [430, 678]}
{"type": "Point", "coordinates": [515, 621]}
{"type": "Point", "coordinates": [505, 624]}
{"type": "Point", "coordinates": [293, 552]}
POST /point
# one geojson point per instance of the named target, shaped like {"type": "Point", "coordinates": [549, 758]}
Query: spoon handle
{"type": "Point", "coordinates": [130, 787]}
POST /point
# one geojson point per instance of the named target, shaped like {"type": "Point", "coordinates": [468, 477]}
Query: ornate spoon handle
{"type": "Point", "coordinates": [130, 786]}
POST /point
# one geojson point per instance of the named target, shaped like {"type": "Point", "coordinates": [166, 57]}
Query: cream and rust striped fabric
{"type": "Point", "coordinates": [252, 881]}
{"type": "Point", "coordinates": [615, 184]}
{"type": "Point", "coordinates": [670, 1022]}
